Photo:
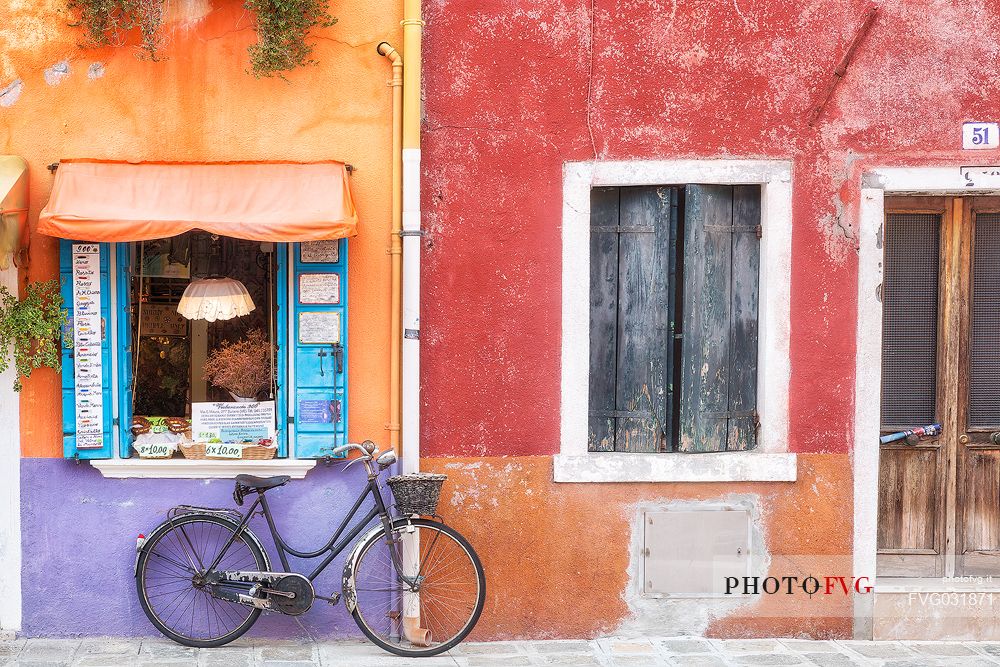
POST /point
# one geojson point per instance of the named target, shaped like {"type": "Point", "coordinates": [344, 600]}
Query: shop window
{"type": "Point", "coordinates": [150, 371]}
{"type": "Point", "coordinates": [674, 282]}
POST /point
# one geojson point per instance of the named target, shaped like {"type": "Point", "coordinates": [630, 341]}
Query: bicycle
{"type": "Point", "coordinates": [414, 586]}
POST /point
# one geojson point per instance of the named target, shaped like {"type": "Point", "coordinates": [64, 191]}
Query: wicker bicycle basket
{"type": "Point", "coordinates": [417, 493]}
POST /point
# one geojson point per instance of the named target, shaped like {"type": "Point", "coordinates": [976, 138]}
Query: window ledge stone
{"type": "Point", "coordinates": [205, 469]}
{"type": "Point", "coordinates": [710, 467]}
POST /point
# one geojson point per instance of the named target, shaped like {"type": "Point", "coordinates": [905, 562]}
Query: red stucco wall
{"type": "Point", "coordinates": [514, 88]}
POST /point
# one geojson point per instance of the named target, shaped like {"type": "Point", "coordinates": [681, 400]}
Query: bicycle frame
{"type": "Point", "coordinates": [335, 545]}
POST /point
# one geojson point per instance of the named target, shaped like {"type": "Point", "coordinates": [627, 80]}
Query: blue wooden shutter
{"type": "Point", "coordinates": [318, 331]}
{"type": "Point", "coordinates": [281, 320]}
{"type": "Point", "coordinates": [719, 350]}
{"type": "Point", "coordinates": [125, 351]}
{"type": "Point", "coordinates": [70, 449]}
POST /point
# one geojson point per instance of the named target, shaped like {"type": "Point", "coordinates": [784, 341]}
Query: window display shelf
{"type": "Point", "coordinates": [177, 468]}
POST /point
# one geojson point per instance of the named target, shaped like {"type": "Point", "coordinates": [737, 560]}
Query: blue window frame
{"type": "Point", "coordinates": [310, 314]}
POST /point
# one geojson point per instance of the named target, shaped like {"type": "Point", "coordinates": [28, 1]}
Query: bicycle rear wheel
{"type": "Point", "coordinates": [447, 602]}
{"type": "Point", "coordinates": [170, 580]}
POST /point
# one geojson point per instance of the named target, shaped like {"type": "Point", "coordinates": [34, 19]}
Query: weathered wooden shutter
{"type": "Point", "coordinates": [319, 340]}
{"type": "Point", "coordinates": [721, 262]}
{"type": "Point", "coordinates": [98, 400]}
{"type": "Point", "coordinates": [633, 232]}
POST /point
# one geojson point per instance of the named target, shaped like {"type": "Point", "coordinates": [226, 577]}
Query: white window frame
{"type": "Point", "coordinates": [177, 468]}
{"type": "Point", "coordinates": [771, 460]}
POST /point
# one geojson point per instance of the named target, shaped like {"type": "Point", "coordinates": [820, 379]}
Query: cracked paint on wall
{"type": "Point", "coordinates": [508, 103]}
{"type": "Point", "coordinates": [560, 559]}
{"type": "Point", "coordinates": [54, 75]}
{"type": "Point", "coordinates": [11, 93]}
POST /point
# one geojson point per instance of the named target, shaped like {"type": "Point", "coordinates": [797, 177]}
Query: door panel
{"type": "Point", "coordinates": [910, 524]}
{"type": "Point", "coordinates": [980, 512]}
{"type": "Point", "coordinates": [912, 516]}
{"type": "Point", "coordinates": [978, 449]}
{"type": "Point", "coordinates": [910, 319]}
{"type": "Point", "coordinates": [984, 341]}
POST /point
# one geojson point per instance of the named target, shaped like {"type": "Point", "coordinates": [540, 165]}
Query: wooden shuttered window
{"type": "Point", "coordinates": [718, 410]}
{"type": "Point", "coordinates": [910, 319]}
{"type": "Point", "coordinates": [673, 303]}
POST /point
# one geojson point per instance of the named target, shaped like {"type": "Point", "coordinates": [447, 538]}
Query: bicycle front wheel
{"type": "Point", "coordinates": [441, 606]}
{"type": "Point", "coordinates": [170, 580]}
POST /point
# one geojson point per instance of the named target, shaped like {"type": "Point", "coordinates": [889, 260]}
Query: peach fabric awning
{"type": "Point", "coordinates": [123, 201]}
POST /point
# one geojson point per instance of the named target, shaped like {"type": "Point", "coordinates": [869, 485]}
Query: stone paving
{"type": "Point", "coordinates": [612, 652]}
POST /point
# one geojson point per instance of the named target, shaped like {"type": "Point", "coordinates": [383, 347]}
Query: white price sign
{"type": "Point", "coordinates": [222, 450]}
{"type": "Point", "coordinates": [155, 450]}
{"type": "Point", "coordinates": [980, 136]}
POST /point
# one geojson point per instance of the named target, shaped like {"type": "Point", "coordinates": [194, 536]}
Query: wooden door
{"type": "Point", "coordinates": [939, 501]}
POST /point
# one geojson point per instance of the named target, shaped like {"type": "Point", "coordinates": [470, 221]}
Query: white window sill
{"type": "Point", "coordinates": [204, 469]}
{"type": "Point", "coordinates": [713, 467]}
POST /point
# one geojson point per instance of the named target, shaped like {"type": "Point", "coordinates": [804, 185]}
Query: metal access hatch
{"type": "Point", "coordinates": [690, 552]}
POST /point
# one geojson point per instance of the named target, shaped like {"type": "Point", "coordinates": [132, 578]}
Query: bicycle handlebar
{"type": "Point", "coordinates": [921, 432]}
{"type": "Point", "coordinates": [367, 448]}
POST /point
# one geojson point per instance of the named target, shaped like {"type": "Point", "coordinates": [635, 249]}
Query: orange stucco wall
{"type": "Point", "coordinates": [200, 104]}
{"type": "Point", "coordinates": [557, 555]}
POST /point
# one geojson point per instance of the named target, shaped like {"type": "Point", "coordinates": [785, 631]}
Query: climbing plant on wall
{"type": "Point", "coordinates": [30, 329]}
{"type": "Point", "coordinates": [106, 22]}
{"type": "Point", "coordinates": [282, 28]}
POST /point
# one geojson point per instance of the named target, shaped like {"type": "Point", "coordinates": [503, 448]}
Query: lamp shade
{"type": "Point", "coordinates": [214, 299]}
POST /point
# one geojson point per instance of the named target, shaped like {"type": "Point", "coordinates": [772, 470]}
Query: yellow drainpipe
{"type": "Point", "coordinates": [395, 242]}
{"type": "Point", "coordinates": [410, 357]}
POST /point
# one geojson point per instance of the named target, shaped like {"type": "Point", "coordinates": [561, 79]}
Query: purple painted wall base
{"type": "Point", "coordinates": [79, 531]}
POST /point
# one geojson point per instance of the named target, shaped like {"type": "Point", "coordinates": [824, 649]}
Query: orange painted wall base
{"type": "Point", "coordinates": [557, 556]}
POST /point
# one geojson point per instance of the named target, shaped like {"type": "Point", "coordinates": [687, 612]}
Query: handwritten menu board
{"type": "Point", "coordinates": [319, 288]}
{"type": "Point", "coordinates": [319, 328]}
{"type": "Point", "coordinates": [232, 422]}
{"type": "Point", "coordinates": [87, 360]}
{"type": "Point", "coordinates": [162, 320]}
{"type": "Point", "coordinates": [319, 252]}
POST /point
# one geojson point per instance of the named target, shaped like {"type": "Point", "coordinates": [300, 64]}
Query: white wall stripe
{"type": "Point", "coordinates": [10, 489]}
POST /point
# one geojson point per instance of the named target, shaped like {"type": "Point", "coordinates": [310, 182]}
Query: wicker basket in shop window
{"type": "Point", "coordinates": [196, 450]}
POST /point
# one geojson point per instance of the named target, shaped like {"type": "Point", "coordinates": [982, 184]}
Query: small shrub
{"type": "Point", "coordinates": [243, 367]}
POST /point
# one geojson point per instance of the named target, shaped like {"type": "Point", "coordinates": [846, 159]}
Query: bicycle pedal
{"type": "Point", "coordinates": [334, 599]}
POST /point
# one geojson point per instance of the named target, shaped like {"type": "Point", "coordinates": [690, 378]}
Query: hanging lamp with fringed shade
{"type": "Point", "coordinates": [214, 299]}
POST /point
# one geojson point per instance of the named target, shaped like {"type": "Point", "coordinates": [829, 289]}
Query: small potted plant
{"type": "Point", "coordinates": [242, 368]}
{"type": "Point", "coordinates": [30, 328]}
